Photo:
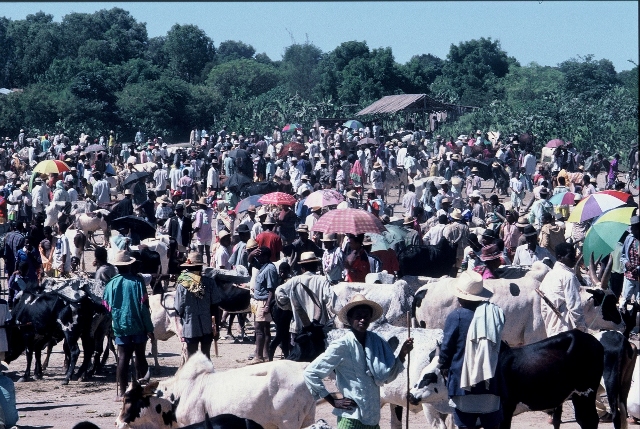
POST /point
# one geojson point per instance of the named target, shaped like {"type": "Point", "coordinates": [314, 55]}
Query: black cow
{"type": "Point", "coordinates": [429, 261]}
{"type": "Point", "coordinates": [149, 262]}
{"type": "Point", "coordinates": [260, 188]}
{"type": "Point", "coordinates": [38, 319]}
{"type": "Point", "coordinates": [543, 375]}
{"type": "Point", "coordinates": [225, 421]}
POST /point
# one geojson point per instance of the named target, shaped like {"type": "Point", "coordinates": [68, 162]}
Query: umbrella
{"type": "Point", "coordinates": [596, 204]}
{"type": "Point", "coordinates": [563, 199]}
{"type": "Point", "coordinates": [251, 201]}
{"type": "Point", "coordinates": [278, 198]}
{"type": "Point", "coordinates": [605, 232]}
{"type": "Point", "coordinates": [291, 127]}
{"type": "Point", "coordinates": [366, 141]}
{"type": "Point", "coordinates": [348, 221]}
{"type": "Point", "coordinates": [554, 143]}
{"type": "Point", "coordinates": [394, 235]}
{"type": "Point", "coordinates": [95, 148]}
{"type": "Point", "coordinates": [50, 166]}
{"type": "Point", "coordinates": [238, 153]}
{"type": "Point", "coordinates": [298, 150]}
{"type": "Point", "coordinates": [134, 177]}
{"type": "Point", "coordinates": [379, 242]}
{"type": "Point", "coordinates": [323, 198]}
{"type": "Point", "coordinates": [352, 123]}
{"type": "Point", "coordinates": [237, 181]}
{"type": "Point", "coordinates": [135, 223]}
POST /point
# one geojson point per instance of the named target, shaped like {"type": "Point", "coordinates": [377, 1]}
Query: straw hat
{"type": "Point", "coordinates": [522, 222]}
{"type": "Point", "coordinates": [308, 257]}
{"type": "Point", "coordinates": [251, 244]}
{"type": "Point", "coordinates": [377, 165]}
{"type": "Point", "coordinates": [468, 286]}
{"type": "Point", "coordinates": [128, 192]}
{"type": "Point", "coordinates": [352, 194]}
{"type": "Point", "coordinates": [262, 211]}
{"type": "Point", "coordinates": [529, 231]}
{"type": "Point", "coordinates": [490, 252]}
{"type": "Point", "coordinates": [408, 220]}
{"type": "Point", "coordinates": [194, 259]}
{"type": "Point", "coordinates": [243, 228]}
{"type": "Point", "coordinates": [332, 236]}
{"type": "Point", "coordinates": [316, 209]}
{"type": "Point", "coordinates": [303, 228]}
{"type": "Point", "coordinates": [356, 300]}
{"type": "Point", "coordinates": [475, 194]}
{"type": "Point", "coordinates": [474, 169]}
{"type": "Point", "coordinates": [223, 233]}
{"type": "Point", "coordinates": [123, 258]}
{"type": "Point", "coordinates": [269, 221]}
{"type": "Point", "coordinates": [456, 214]}
{"type": "Point", "coordinates": [163, 199]}
{"type": "Point", "coordinates": [202, 201]}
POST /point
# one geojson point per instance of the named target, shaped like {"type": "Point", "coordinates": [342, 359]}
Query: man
{"type": "Point", "coordinates": [529, 165]}
{"type": "Point", "coordinates": [202, 228]}
{"type": "Point", "coordinates": [301, 245]}
{"type": "Point", "coordinates": [587, 187]}
{"type": "Point", "coordinates": [239, 255]}
{"type": "Point", "coordinates": [332, 258]}
{"type": "Point", "coordinates": [457, 233]}
{"type": "Point", "coordinates": [269, 239]}
{"type": "Point", "coordinates": [287, 223]}
{"type": "Point", "coordinates": [409, 201]}
{"type": "Point", "coordinates": [517, 185]}
{"type": "Point", "coordinates": [266, 283]}
{"type": "Point", "coordinates": [551, 234]}
{"type": "Point", "coordinates": [491, 257]}
{"type": "Point", "coordinates": [101, 190]}
{"type": "Point", "coordinates": [295, 176]}
{"type": "Point", "coordinates": [469, 354]}
{"type": "Point", "coordinates": [213, 176]}
{"type": "Point", "coordinates": [313, 217]}
{"type": "Point", "coordinates": [257, 227]}
{"type": "Point", "coordinates": [104, 270]}
{"type": "Point", "coordinates": [124, 207]}
{"type": "Point", "coordinates": [630, 260]}
{"type": "Point", "coordinates": [530, 252]}
{"type": "Point", "coordinates": [164, 210]}
{"type": "Point", "coordinates": [352, 359]}
{"type": "Point", "coordinates": [250, 218]}
{"type": "Point", "coordinates": [436, 232]}
{"type": "Point", "coordinates": [160, 178]}
{"type": "Point", "coordinates": [40, 196]}
{"type": "Point", "coordinates": [179, 230]}
{"type": "Point", "coordinates": [540, 207]}
{"type": "Point", "coordinates": [510, 233]}
{"type": "Point", "coordinates": [613, 171]}
{"type": "Point", "coordinates": [193, 302]}
{"type": "Point", "coordinates": [62, 253]}
{"type": "Point", "coordinates": [473, 182]}
{"type": "Point", "coordinates": [477, 210]}
{"type": "Point", "coordinates": [221, 258]}
{"type": "Point", "coordinates": [125, 297]}
{"type": "Point", "coordinates": [304, 185]}
{"type": "Point", "coordinates": [562, 288]}
{"type": "Point", "coordinates": [376, 179]}
{"type": "Point", "coordinates": [412, 237]}
{"type": "Point", "coordinates": [24, 202]}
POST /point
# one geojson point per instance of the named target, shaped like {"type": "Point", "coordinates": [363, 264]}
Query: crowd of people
{"type": "Point", "coordinates": [187, 194]}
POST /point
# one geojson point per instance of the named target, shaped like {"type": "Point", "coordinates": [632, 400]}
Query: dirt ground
{"type": "Point", "coordinates": [48, 404]}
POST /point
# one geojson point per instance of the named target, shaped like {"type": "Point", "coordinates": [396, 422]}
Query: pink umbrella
{"type": "Point", "coordinates": [348, 221]}
{"type": "Point", "coordinates": [323, 198]}
{"type": "Point", "coordinates": [555, 143]}
{"type": "Point", "coordinates": [278, 198]}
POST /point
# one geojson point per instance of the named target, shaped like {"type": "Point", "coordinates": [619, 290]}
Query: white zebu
{"type": "Point", "coordinates": [273, 394]}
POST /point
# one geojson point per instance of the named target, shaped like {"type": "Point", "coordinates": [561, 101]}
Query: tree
{"type": "Point", "coordinates": [243, 78]}
{"type": "Point", "coordinates": [588, 78]}
{"type": "Point", "coordinates": [188, 50]}
{"type": "Point", "coordinates": [299, 68]}
{"type": "Point", "coordinates": [420, 72]}
{"type": "Point", "coordinates": [230, 50]}
{"type": "Point", "coordinates": [471, 72]}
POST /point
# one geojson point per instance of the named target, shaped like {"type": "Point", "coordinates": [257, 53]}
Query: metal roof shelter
{"type": "Point", "coordinates": [406, 102]}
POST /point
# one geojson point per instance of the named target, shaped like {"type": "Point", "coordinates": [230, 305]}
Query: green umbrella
{"type": "Point", "coordinates": [379, 242]}
{"type": "Point", "coordinates": [605, 232]}
{"type": "Point", "coordinates": [394, 235]}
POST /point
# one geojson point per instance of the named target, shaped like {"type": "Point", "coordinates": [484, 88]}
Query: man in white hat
{"type": "Point", "coordinates": [221, 259]}
{"type": "Point", "coordinates": [376, 179]}
{"type": "Point", "coordinates": [302, 245]}
{"type": "Point", "coordinates": [457, 233]}
{"type": "Point", "coordinates": [193, 301]}
{"type": "Point", "coordinates": [469, 354]}
{"type": "Point", "coordinates": [39, 196]}
{"type": "Point", "coordinates": [473, 182]}
{"type": "Point", "coordinates": [474, 204]}
{"type": "Point", "coordinates": [362, 362]}
{"type": "Point", "coordinates": [125, 296]}
{"type": "Point", "coordinates": [332, 258]}
{"type": "Point", "coordinates": [202, 227]}
{"type": "Point", "coordinates": [562, 288]}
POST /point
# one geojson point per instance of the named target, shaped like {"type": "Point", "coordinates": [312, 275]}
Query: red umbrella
{"type": "Point", "coordinates": [278, 198]}
{"type": "Point", "coordinates": [555, 143]}
{"type": "Point", "coordinates": [348, 221]}
{"type": "Point", "coordinates": [297, 148]}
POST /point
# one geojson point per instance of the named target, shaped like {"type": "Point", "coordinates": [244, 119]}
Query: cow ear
{"type": "Point", "coordinates": [134, 384]}
{"type": "Point", "coordinates": [150, 388]}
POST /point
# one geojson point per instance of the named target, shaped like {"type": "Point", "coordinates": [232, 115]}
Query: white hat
{"type": "Point", "coordinates": [359, 299]}
{"type": "Point", "coordinates": [469, 286]}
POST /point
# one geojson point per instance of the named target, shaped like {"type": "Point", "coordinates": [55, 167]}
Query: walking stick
{"type": "Point", "coordinates": [406, 417]}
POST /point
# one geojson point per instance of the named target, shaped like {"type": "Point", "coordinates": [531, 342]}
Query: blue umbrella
{"type": "Point", "coordinates": [243, 205]}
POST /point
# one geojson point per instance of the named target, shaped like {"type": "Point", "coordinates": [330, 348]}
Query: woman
{"type": "Point", "coordinates": [469, 354]}
{"type": "Point", "coordinates": [357, 262]}
{"type": "Point", "coordinates": [193, 303]}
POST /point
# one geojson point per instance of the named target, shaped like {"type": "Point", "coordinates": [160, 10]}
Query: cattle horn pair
{"type": "Point", "coordinates": [603, 281]}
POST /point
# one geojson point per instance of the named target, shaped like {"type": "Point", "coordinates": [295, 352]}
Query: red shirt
{"type": "Point", "coordinates": [272, 241]}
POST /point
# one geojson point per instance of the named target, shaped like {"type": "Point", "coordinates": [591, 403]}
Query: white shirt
{"type": "Point", "coordinates": [562, 288]}
{"type": "Point", "coordinates": [61, 248]}
{"type": "Point", "coordinates": [525, 257]}
{"type": "Point", "coordinates": [529, 163]}
{"type": "Point", "coordinates": [213, 178]}
{"type": "Point", "coordinates": [516, 185]}
{"type": "Point", "coordinates": [409, 202]}
{"type": "Point", "coordinates": [160, 177]}
{"type": "Point", "coordinates": [222, 258]}
{"type": "Point", "coordinates": [435, 233]}
{"type": "Point", "coordinates": [175, 175]}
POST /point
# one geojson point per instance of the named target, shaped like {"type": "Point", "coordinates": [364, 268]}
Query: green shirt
{"type": "Point", "coordinates": [125, 296]}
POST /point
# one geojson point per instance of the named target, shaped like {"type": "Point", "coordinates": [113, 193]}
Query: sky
{"type": "Point", "coordinates": [545, 32]}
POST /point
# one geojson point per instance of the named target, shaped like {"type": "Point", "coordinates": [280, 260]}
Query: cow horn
{"type": "Point", "coordinates": [577, 270]}
{"type": "Point", "coordinates": [134, 384]}
{"type": "Point", "coordinates": [592, 271]}
{"type": "Point", "coordinates": [607, 274]}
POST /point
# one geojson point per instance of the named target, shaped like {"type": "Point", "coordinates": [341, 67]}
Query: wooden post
{"type": "Point", "coordinates": [406, 417]}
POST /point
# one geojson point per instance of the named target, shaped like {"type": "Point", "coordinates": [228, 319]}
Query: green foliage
{"type": "Point", "coordinates": [230, 50]}
{"type": "Point", "coordinates": [188, 50]}
{"type": "Point", "coordinates": [243, 78]}
{"type": "Point", "coordinates": [299, 68]}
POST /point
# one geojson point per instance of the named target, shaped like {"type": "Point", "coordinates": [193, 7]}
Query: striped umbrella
{"type": "Point", "coordinates": [50, 166]}
{"type": "Point", "coordinates": [563, 199]}
{"type": "Point", "coordinates": [348, 221]}
{"type": "Point", "coordinates": [605, 232]}
{"type": "Point", "coordinates": [596, 204]}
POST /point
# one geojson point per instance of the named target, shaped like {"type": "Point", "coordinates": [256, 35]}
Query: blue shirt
{"type": "Point", "coordinates": [352, 365]}
{"type": "Point", "coordinates": [8, 401]}
{"type": "Point", "coordinates": [266, 281]}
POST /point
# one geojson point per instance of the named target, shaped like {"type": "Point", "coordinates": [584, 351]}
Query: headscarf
{"type": "Point", "coordinates": [60, 185]}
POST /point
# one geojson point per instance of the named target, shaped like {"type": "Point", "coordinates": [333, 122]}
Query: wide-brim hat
{"type": "Point", "coordinates": [408, 220]}
{"type": "Point", "coordinates": [128, 192]}
{"type": "Point", "coordinates": [316, 208]}
{"type": "Point", "coordinates": [163, 199]}
{"type": "Point", "coordinates": [243, 228]}
{"type": "Point", "coordinates": [194, 259]}
{"type": "Point", "coordinates": [302, 228]}
{"type": "Point", "coordinates": [489, 253]}
{"type": "Point", "coordinates": [474, 169]}
{"type": "Point", "coordinates": [456, 214]}
{"type": "Point", "coordinates": [122, 257]}
{"type": "Point", "coordinates": [308, 257]}
{"type": "Point", "coordinates": [522, 222]}
{"type": "Point", "coordinates": [251, 244]}
{"type": "Point", "coordinates": [202, 201]}
{"type": "Point", "coordinates": [469, 286]}
{"type": "Point", "coordinates": [475, 194]}
{"type": "Point", "coordinates": [352, 194]}
{"type": "Point", "coordinates": [223, 233]}
{"type": "Point", "coordinates": [377, 165]}
{"type": "Point", "coordinates": [269, 221]}
{"type": "Point", "coordinates": [529, 231]}
{"type": "Point", "coordinates": [356, 300]}
{"type": "Point", "coordinates": [332, 236]}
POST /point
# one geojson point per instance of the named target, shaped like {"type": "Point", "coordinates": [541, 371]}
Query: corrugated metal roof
{"type": "Point", "coordinates": [395, 103]}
